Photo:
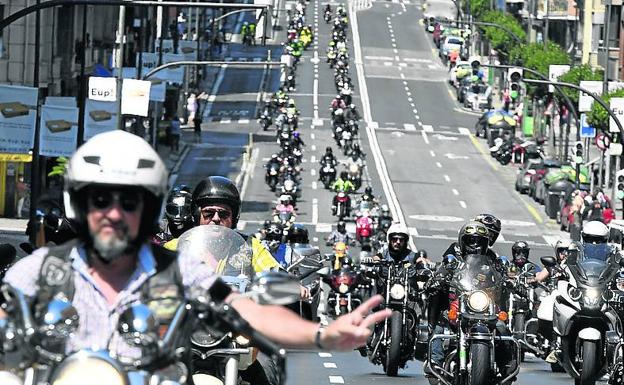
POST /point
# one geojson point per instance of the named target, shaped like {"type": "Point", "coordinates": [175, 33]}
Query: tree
{"type": "Point", "coordinates": [575, 75]}
{"type": "Point", "coordinates": [500, 39]}
{"type": "Point", "coordinates": [539, 58]}
{"type": "Point", "coordinates": [598, 116]}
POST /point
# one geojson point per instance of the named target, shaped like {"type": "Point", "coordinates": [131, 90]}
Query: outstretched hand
{"type": "Point", "coordinates": [352, 330]}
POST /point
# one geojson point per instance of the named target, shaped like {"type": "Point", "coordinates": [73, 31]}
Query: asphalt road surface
{"type": "Point", "coordinates": [421, 158]}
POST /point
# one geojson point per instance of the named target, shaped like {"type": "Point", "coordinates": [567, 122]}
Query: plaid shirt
{"type": "Point", "coordinates": [98, 320]}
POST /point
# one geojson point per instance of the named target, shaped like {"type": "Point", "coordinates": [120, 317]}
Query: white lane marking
{"type": "Point", "coordinates": [417, 116]}
{"type": "Point", "coordinates": [425, 137]}
{"type": "Point", "coordinates": [409, 127]}
{"type": "Point", "coordinates": [330, 365]}
{"type": "Point", "coordinates": [314, 211]}
{"type": "Point", "coordinates": [409, 93]}
{"type": "Point", "coordinates": [383, 58]}
{"type": "Point", "coordinates": [393, 201]}
{"type": "Point", "coordinates": [336, 379]}
{"type": "Point", "coordinates": [455, 192]}
{"type": "Point", "coordinates": [427, 127]}
{"type": "Point", "coordinates": [397, 59]}
{"type": "Point", "coordinates": [243, 121]}
{"type": "Point", "coordinates": [402, 75]}
{"type": "Point", "coordinates": [432, 153]}
{"type": "Point", "coordinates": [315, 98]}
{"type": "Point", "coordinates": [410, 99]}
{"type": "Point", "coordinates": [226, 121]}
{"type": "Point", "coordinates": [325, 355]}
{"type": "Point", "coordinates": [313, 172]}
{"type": "Point", "coordinates": [464, 131]}
{"type": "Point", "coordinates": [439, 164]}
{"type": "Point", "coordinates": [415, 111]}
{"type": "Point", "coordinates": [249, 167]}
{"type": "Point", "coordinates": [314, 185]}
{"type": "Point", "coordinates": [462, 204]}
{"type": "Point", "coordinates": [388, 63]}
{"type": "Point", "coordinates": [406, 87]}
{"type": "Point", "coordinates": [447, 178]}
{"type": "Point", "coordinates": [312, 136]}
{"type": "Point", "coordinates": [313, 147]}
{"type": "Point", "coordinates": [313, 159]}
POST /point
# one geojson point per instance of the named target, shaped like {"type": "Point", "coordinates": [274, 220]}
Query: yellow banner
{"type": "Point", "coordinates": [16, 158]}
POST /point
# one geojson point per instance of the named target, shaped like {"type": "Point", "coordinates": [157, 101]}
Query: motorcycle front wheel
{"type": "Point", "coordinates": [479, 364]}
{"type": "Point", "coordinates": [590, 365]}
{"type": "Point", "coordinates": [394, 348]}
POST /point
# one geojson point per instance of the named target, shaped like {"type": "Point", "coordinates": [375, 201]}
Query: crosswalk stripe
{"type": "Point", "coordinates": [243, 121]}
{"type": "Point", "coordinates": [427, 128]}
{"type": "Point", "coordinates": [464, 131]}
{"type": "Point", "coordinates": [409, 127]}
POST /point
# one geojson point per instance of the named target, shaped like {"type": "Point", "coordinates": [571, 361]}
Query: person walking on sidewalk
{"type": "Point", "coordinates": [175, 130]}
{"type": "Point", "coordinates": [197, 122]}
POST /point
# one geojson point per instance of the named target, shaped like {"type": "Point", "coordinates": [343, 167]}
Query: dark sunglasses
{"type": "Point", "coordinates": [129, 201]}
{"type": "Point", "coordinates": [210, 213]}
{"type": "Point", "coordinates": [397, 238]}
{"type": "Point", "coordinates": [274, 231]}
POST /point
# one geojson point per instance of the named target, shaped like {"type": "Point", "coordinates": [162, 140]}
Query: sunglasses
{"type": "Point", "coordinates": [395, 239]}
{"type": "Point", "coordinates": [175, 210]}
{"type": "Point", "coordinates": [274, 231]}
{"type": "Point", "coordinates": [129, 201]}
{"type": "Point", "coordinates": [210, 213]}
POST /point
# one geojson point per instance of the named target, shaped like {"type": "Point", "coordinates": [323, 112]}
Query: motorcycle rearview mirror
{"type": "Point", "coordinates": [275, 288]}
{"type": "Point", "coordinates": [138, 326]}
{"type": "Point", "coordinates": [548, 261]}
{"type": "Point", "coordinates": [451, 262]}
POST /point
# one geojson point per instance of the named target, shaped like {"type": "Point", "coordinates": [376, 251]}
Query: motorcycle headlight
{"type": "Point", "coordinates": [397, 291]}
{"type": "Point", "coordinates": [343, 288]}
{"type": "Point", "coordinates": [478, 301]}
{"type": "Point", "coordinates": [242, 341]}
{"type": "Point", "coordinates": [591, 297]}
{"type": "Point", "coordinates": [89, 367]}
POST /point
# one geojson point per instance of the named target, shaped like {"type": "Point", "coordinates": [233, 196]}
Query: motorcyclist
{"type": "Point", "coordinates": [115, 184]}
{"type": "Point", "coordinates": [368, 195]}
{"type": "Point", "coordinates": [340, 235]}
{"type": "Point", "coordinates": [397, 249]}
{"type": "Point", "coordinates": [337, 103]}
{"type": "Point", "coordinates": [340, 256]}
{"type": "Point", "coordinates": [328, 158]}
{"type": "Point", "coordinates": [297, 140]}
{"type": "Point", "coordinates": [472, 239]}
{"type": "Point", "coordinates": [285, 204]}
{"type": "Point", "coordinates": [178, 211]}
{"type": "Point", "coordinates": [561, 254]}
{"type": "Point", "coordinates": [356, 152]}
{"type": "Point", "coordinates": [327, 8]}
{"type": "Point", "coordinates": [351, 113]}
{"type": "Point", "coordinates": [342, 184]}
{"type": "Point", "coordinates": [274, 242]}
{"type": "Point", "coordinates": [520, 258]}
{"type": "Point", "coordinates": [274, 162]}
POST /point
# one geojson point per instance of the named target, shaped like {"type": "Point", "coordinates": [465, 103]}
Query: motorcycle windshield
{"type": "Point", "coordinates": [223, 249]}
{"type": "Point", "coordinates": [285, 216]}
{"type": "Point", "coordinates": [478, 273]}
{"type": "Point", "coordinates": [594, 265]}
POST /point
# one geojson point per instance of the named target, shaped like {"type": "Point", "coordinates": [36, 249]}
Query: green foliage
{"type": "Point", "coordinates": [500, 38]}
{"type": "Point", "coordinates": [60, 167]}
{"type": "Point", "coordinates": [575, 75]}
{"type": "Point", "coordinates": [598, 116]}
{"type": "Point", "coordinates": [537, 57]}
{"type": "Point", "coordinates": [477, 7]}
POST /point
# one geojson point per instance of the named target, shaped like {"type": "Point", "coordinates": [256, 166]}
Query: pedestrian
{"type": "Point", "coordinates": [191, 107]}
{"type": "Point", "coordinates": [197, 122]}
{"type": "Point", "coordinates": [22, 192]}
{"type": "Point", "coordinates": [175, 130]}
{"type": "Point", "coordinates": [252, 33]}
{"type": "Point", "coordinates": [577, 216]}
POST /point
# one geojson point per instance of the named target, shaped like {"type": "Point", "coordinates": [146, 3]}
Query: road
{"type": "Point", "coordinates": [421, 158]}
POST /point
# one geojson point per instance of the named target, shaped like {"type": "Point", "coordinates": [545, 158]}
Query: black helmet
{"type": "Point", "coordinates": [341, 226]}
{"type": "Point", "coordinates": [343, 175]}
{"type": "Point", "coordinates": [217, 189]}
{"type": "Point", "coordinates": [179, 212]}
{"type": "Point", "coordinates": [298, 234]}
{"type": "Point", "coordinates": [492, 224]}
{"type": "Point", "coordinates": [473, 238]}
{"type": "Point", "coordinates": [274, 232]}
{"type": "Point", "coordinates": [520, 253]}
{"type": "Point", "coordinates": [421, 254]}
{"type": "Point", "coordinates": [328, 150]}
{"type": "Point", "coordinates": [368, 190]}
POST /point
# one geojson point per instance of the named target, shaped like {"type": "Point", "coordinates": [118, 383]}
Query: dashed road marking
{"type": "Point", "coordinates": [312, 136]}
{"type": "Point", "coordinates": [462, 204]}
{"type": "Point", "coordinates": [439, 165]}
{"type": "Point", "coordinates": [447, 178]}
{"type": "Point", "coordinates": [427, 127]}
{"type": "Point", "coordinates": [325, 355]}
{"type": "Point", "coordinates": [425, 137]}
{"type": "Point", "coordinates": [409, 127]}
{"type": "Point", "coordinates": [243, 121]}
{"type": "Point", "coordinates": [336, 380]}
{"type": "Point", "coordinates": [330, 365]}
{"type": "Point", "coordinates": [432, 153]}
{"type": "Point", "coordinates": [455, 192]}
{"type": "Point", "coordinates": [226, 121]}
{"type": "Point", "coordinates": [463, 131]}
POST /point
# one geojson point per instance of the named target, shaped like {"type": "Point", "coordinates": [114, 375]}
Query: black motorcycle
{"type": "Point", "coordinates": [404, 335]}
{"type": "Point", "coordinates": [344, 283]}
{"type": "Point", "coordinates": [478, 351]}
{"type": "Point", "coordinates": [328, 174]}
{"type": "Point", "coordinates": [272, 175]}
{"type": "Point", "coordinates": [521, 305]}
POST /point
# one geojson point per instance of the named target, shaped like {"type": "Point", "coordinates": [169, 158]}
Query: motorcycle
{"type": "Point", "coordinates": [478, 350]}
{"type": "Point", "coordinates": [342, 206]}
{"type": "Point", "coordinates": [265, 119]}
{"type": "Point", "coordinates": [271, 177]}
{"type": "Point", "coordinates": [34, 341]}
{"type": "Point", "coordinates": [328, 175]}
{"type": "Point", "coordinates": [501, 151]}
{"type": "Point", "coordinates": [343, 297]}
{"type": "Point", "coordinates": [521, 308]}
{"type": "Point", "coordinates": [404, 335]}
{"type": "Point", "coordinates": [354, 172]}
{"type": "Point", "coordinates": [363, 229]}
{"type": "Point", "coordinates": [327, 16]}
{"type": "Point", "coordinates": [583, 320]}
{"type": "Point", "coordinates": [289, 187]}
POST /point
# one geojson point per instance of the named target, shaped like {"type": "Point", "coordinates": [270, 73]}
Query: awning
{"type": "Point", "coordinates": [24, 158]}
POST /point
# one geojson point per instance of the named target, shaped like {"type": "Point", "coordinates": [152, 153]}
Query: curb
{"type": "Point", "coordinates": [246, 159]}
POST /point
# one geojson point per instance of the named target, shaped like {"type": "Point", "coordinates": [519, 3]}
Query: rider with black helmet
{"type": "Point", "coordinates": [368, 194]}
{"type": "Point", "coordinates": [340, 235]}
{"type": "Point", "coordinates": [298, 234]}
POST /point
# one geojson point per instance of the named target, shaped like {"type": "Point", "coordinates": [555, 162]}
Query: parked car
{"type": "Point", "coordinates": [478, 97]}
{"type": "Point", "coordinates": [525, 172]}
{"type": "Point", "coordinates": [449, 44]}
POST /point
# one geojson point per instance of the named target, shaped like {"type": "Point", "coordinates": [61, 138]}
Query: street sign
{"type": "Point", "coordinates": [554, 71]}
{"type": "Point", "coordinates": [614, 86]}
{"type": "Point", "coordinates": [585, 100]}
{"type": "Point", "coordinates": [587, 131]}
{"type": "Point", "coordinates": [602, 141]}
{"type": "Point", "coordinates": [102, 89]}
{"type": "Point", "coordinates": [615, 149]}
{"type": "Point", "coordinates": [617, 106]}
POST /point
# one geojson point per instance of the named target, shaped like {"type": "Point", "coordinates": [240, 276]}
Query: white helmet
{"type": "Point", "coordinates": [562, 245]}
{"type": "Point", "coordinates": [115, 158]}
{"type": "Point", "coordinates": [285, 198]}
{"type": "Point", "coordinates": [397, 229]}
{"type": "Point", "coordinates": [595, 232]}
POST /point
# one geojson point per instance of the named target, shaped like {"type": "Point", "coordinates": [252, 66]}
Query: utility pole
{"type": "Point", "coordinates": [605, 81]}
{"type": "Point", "coordinates": [121, 26]}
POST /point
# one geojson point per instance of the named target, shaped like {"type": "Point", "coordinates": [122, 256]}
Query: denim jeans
{"type": "Point", "coordinates": [437, 350]}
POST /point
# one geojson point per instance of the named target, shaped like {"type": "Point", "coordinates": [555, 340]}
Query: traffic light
{"type": "Point", "coordinates": [619, 179]}
{"type": "Point", "coordinates": [578, 152]}
{"type": "Point", "coordinates": [514, 76]}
